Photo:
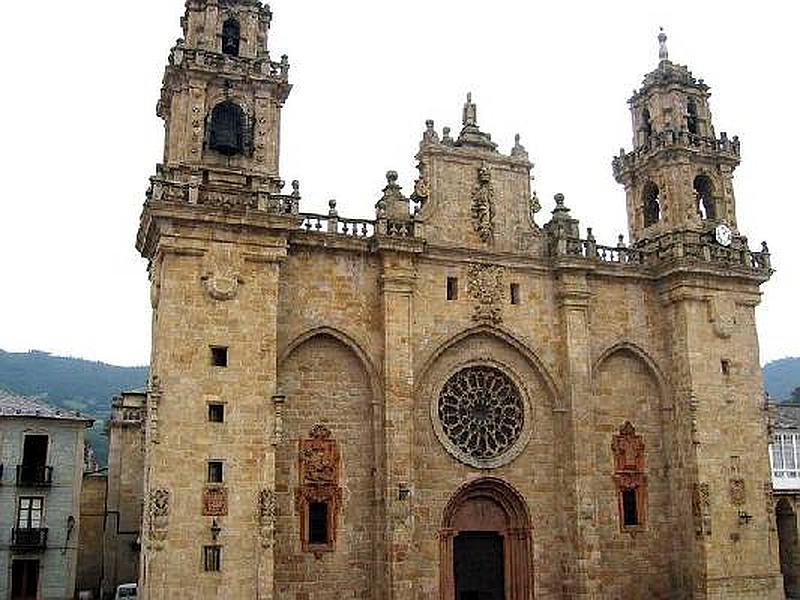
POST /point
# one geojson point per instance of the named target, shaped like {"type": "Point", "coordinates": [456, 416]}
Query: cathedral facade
{"type": "Point", "coordinates": [459, 397]}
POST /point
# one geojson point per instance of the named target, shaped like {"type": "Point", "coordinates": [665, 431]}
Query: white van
{"type": "Point", "coordinates": [126, 591]}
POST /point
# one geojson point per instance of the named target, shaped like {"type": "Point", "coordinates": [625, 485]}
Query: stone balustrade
{"type": "Point", "coordinates": [214, 62]}
{"type": "Point", "coordinates": [359, 228]}
{"type": "Point", "coordinates": [684, 246]}
{"type": "Point", "coordinates": [676, 139]}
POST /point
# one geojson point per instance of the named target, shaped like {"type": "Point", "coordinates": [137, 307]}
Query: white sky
{"type": "Point", "coordinates": [80, 136]}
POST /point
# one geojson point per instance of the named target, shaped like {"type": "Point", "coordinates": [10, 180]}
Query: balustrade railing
{"type": "Point", "coordinates": [357, 228]}
{"type": "Point", "coordinates": [669, 247]}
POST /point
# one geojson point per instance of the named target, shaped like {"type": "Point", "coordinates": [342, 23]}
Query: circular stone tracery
{"type": "Point", "coordinates": [481, 412]}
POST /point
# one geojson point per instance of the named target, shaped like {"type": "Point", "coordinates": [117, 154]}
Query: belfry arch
{"type": "Point", "coordinates": [489, 513]}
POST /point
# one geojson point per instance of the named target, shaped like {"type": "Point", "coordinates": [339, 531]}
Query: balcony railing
{"type": "Point", "coordinates": [29, 539]}
{"type": "Point", "coordinates": [34, 476]}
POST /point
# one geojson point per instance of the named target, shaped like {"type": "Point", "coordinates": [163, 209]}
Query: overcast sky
{"type": "Point", "coordinates": [80, 136]}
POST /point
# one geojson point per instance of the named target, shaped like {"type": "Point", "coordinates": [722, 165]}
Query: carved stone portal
{"type": "Point", "coordinates": [319, 484]}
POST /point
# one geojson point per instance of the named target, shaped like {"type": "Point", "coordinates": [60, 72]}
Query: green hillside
{"type": "Point", "coordinates": [72, 383]}
{"type": "Point", "coordinates": [781, 377]}
{"type": "Point", "coordinates": [88, 386]}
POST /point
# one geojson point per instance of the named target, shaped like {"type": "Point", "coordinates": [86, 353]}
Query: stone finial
{"type": "Point", "coordinates": [518, 151]}
{"type": "Point", "coordinates": [663, 54]}
{"type": "Point", "coordinates": [470, 117]}
{"type": "Point", "coordinates": [446, 137]}
{"type": "Point", "coordinates": [430, 136]}
{"type": "Point", "coordinates": [393, 204]}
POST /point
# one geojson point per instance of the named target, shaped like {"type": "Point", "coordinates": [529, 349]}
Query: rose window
{"type": "Point", "coordinates": [481, 412]}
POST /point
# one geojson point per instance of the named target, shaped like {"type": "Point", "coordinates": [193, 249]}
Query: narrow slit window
{"type": "Point", "coordinates": [216, 413]}
{"type": "Point", "coordinates": [725, 366]}
{"type": "Point", "coordinates": [212, 558]}
{"type": "Point", "coordinates": [318, 523]}
{"type": "Point", "coordinates": [215, 471]}
{"type": "Point", "coordinates": [515, 293]}
{"type": "Point", "coordinates": [452, 288]}
{"type": "Point", "coordinates": [630, 511]}
{"type": "Point", "coordinates": [219, 356]}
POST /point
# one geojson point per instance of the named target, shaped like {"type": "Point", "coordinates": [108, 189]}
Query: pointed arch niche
{"type": "Point", "coordinates": [489, 508]}
{"type": "Point", "coordinates": [325, 465]}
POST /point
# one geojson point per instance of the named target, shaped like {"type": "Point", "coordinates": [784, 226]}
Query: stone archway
{"type": "Point", "coordinates": [788, 547]}
{"type": "Point", "coordinates": [485, 518]}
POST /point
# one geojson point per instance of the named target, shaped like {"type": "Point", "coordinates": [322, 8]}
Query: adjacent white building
{"type": "Point", "coordinates": [784, 456]}
{"type": "Point", "coordinates": [41, 468]}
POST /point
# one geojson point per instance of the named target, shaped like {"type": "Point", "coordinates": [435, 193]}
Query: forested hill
{"type": "Point", "coordinates": [72, 383]}
{"type": "Point", "coordinates": [781, 377]}
{"type": "Point", "coordinates": [89, 386]}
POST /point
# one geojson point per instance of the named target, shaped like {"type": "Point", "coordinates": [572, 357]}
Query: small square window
{"type": "Point", "coordinates": [216, 413]}
{"type": "Point", "coordinates": [515, 293]}
{"type": "Point", "coordinates": [215, 471]}
{"type": "Point", "coordinates": [452, 288]}
{"type": "Point", "coordinates": [725, 366]}
{"type": "Point", "coordinates": [318, 523]}
{"type": "Point", "coordinates": [212, 558]}
{"type": "Point", "coordinates": [219, 356]}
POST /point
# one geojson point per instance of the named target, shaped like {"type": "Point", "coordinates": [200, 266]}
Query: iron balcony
{"type": "Point", "coordinates": [29, 539]}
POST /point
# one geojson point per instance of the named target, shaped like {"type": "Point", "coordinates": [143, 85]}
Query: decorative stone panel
{"type": "Point", "coordinates": [319, 483]}
{"type": "Point", "coordinates": [215, 501]}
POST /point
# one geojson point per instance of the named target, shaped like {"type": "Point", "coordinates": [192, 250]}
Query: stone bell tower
{"type": "Point", "coordinates": [682, 221]}
{"type": "Point", "coordinates": [211, 229]}
{"type": "Point", "coordinates": [679, 176]}
{"type": "Point", "coordinates": [221, 103]}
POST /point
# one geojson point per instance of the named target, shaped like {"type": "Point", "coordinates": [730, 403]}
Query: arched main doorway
{"type": "Point", "coordinates": [788, 547]}
{"type": "Point", "coordinates": [485, 544]}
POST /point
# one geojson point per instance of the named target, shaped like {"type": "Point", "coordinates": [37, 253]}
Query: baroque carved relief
{"type": "Point", "coordinates": [319, 485]}
{"type": "Point", "coordinates": [222, 286]}
{"type": "Point", "coordinates": [153, 400]}
{"type": "Point", "coordinates": [485, 287]}
{"type": "Point", "coordinates": [267, 513]}
{"type": "Point", "coordinates": [722, 315]}
{"type": "Point", "coordinates": [701, 509]}
{"type": "Point", "coordinates": [483, 204]}
{"type": "Point", "coordinates": [628, 450]}
{"type": "Point", "coordinates": [159, 507]}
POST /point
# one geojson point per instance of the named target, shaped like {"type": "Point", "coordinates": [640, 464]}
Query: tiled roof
{"type": "Point", "coordinates": [787, 416]}
{"type": "Point", "coordinates": [13, 405]}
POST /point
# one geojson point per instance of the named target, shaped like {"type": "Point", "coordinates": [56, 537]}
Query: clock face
{"type": "Point", "coordinates": [723, 234]}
